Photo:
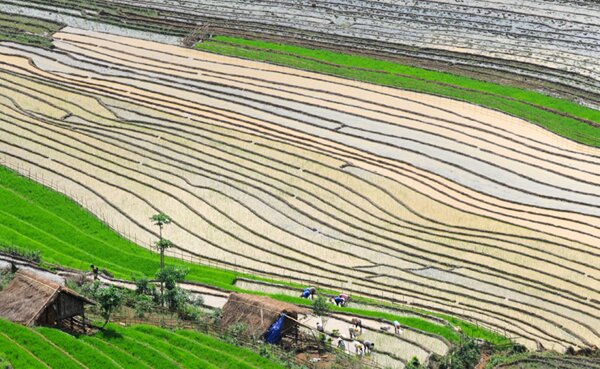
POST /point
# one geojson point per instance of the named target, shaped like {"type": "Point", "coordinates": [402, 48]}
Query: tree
{"type": "Point", "coordinates": [161, 219]}
{"type": "Point", "coordinates": [109, 299]}
{"type": "Point", "coordinates": [162, 245]}
{"type": "Point", "coordinates": [175, 297]}
{"type": "Point", "coordinates": [320, 306]}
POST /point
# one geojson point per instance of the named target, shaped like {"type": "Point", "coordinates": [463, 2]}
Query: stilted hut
{"type": "Point", "coordinates": [262, 316]}
{"type": "Point", "coordinates": [32, 300]}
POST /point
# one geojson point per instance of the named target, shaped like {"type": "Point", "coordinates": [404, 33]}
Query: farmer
{"type": "Point", "coordinates": [320, 327]}
{"type": "Point", "coordinates": [359, 348]}
{"type": "Point", "coordinates": [354, 332]}
{"type": "Point", "coordinates": [309, 292]}
{"type": "Point", "coordinates": [345, 297]}
{"type": "Point", "coordinates": [339, 301]}
{"type": "Point", "coordinates": [357, 322]}
{"type": "Point", "coordinates": [95, 271]}
{"type": "Point", "coordinates": [341, 345]}
{"type": "Point", "coordinates": [397, 328]}
{"type": "Point", "coordinates": [369, 346]}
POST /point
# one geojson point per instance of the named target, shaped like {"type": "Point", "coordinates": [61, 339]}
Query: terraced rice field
{"type": "Point", "coordinates": [544, 46]}
{"type": "Point", "coordinates": [40, 219]}
{"type": "Point", "coordinates": [550, 361]}
{"type": "Point", "coordinates": [133, 347]}
{"type": "Point", "coordinates": [27, 30]}
{"type": "Point", "coordinates": [387, 193]}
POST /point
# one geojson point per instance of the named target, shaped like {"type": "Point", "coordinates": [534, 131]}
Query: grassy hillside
{"type": "Point", "coordinates": [560, 116]}
{"type": "Point", "coordinates": [34, 217]}
{"type": "Point", "coordinates": [118, 347]}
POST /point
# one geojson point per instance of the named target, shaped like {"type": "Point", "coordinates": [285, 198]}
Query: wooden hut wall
{"type": "Point", "coordinates": [68, 306]}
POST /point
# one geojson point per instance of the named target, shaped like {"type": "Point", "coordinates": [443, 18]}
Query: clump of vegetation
{"type": "Point", "coordinates": [235, 333]}
{"type": "Point", "coordinates": [34, 256]}
{"type": "Point", "coordinates": [109, 300]}
{"type": "Point", "coordinates": [320, 306]}
{"type": "Point", "coordinates": [414, 363]}
{"type": "Point", "coordinates": [5, 278]}
{"type": "Point", "coordinates": [465, 355]}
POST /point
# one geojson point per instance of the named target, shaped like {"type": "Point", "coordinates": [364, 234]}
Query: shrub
{"type": "Point", "coordinates": [197, 300]}
{"type": "Point", "coordinates": [190, 312]}
{"type": "Point", "coordinates": [464, 356]}
{"type": "Point", "coordinates": [171, 275]}
{"type": "Point", "coordinates": [214, 318]}
{"type": "Point", "coordinates": [320, 306]}
{"type": "Point", "coordinates": [109, 299]}
{"type": "Point", "coordinates": [414, 363]}
{"type": "Point", "coordinates": [89, 289]}
{"type": "Point", "coordinates": [143, 304]}
{"type": "Point", "coordinates": [143, 286]}
{"type": "Point", "coordinates": [176, 299]}
{"type": "Point", "coordinates": [234, 333]}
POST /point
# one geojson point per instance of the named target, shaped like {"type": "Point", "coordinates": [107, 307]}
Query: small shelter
{"type": "Point", "coordinates": [262, 315]}
{"type": "Point", "coordinates": [30, 299]}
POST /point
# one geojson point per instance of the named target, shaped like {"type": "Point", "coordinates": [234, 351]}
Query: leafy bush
{"type": "Point", "coordinates": [143, 305]}
{"type": "Point", "coordinates": [214, 318]}
{"type": "Point", "coordinates": [234, 333]}
{"type": "Point", "coordinates": [109, 299]}
{"type": "Point", "coordinates": [464, 356]}
{"type": "Point", "coordinates": [190, 312]}
{"type": "Point", "coordinates": [171, 275]}
{"type": "Point", "coordinates": [143, 286]}
{"type": "Point", "coordinates": [414, 363]}
{"type": "Point", "coordinates": [88, 289]}
{"type": "Point", "coordinates": [197, 300]}
{"type": "Point", "coordinates": [320, 306]}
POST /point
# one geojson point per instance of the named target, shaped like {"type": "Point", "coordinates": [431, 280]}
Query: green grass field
{"type": "Point", "coordinates": [34, 217]}
{"type": "Point", "coordinates": [118, 347]}
{"type": "Point", "coordinates": [557, 115]}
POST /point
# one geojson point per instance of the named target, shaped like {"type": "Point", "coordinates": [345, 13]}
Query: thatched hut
{"type": "Point", "coordinates": [32, 300]}
{"type": "Point", "coordinates": [259, 313]}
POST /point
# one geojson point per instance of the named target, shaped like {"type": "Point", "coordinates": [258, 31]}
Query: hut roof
{"type": "Point", "coordinates": [28, 295]}
{"type": "Point", "coordinates": [257, 312]}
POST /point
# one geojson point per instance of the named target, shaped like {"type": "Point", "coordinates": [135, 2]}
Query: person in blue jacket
{"type": "Point", "coordinates": [309, 292]}
{"type": "Point", "coordinates": [339, 301]}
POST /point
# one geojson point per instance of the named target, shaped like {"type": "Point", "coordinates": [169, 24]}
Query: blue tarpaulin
{"type": "Point", "coordinates": [273, 334]}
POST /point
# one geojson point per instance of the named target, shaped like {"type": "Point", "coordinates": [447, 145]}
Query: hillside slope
{"type": "Point", "coordinates": [136, 347]}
